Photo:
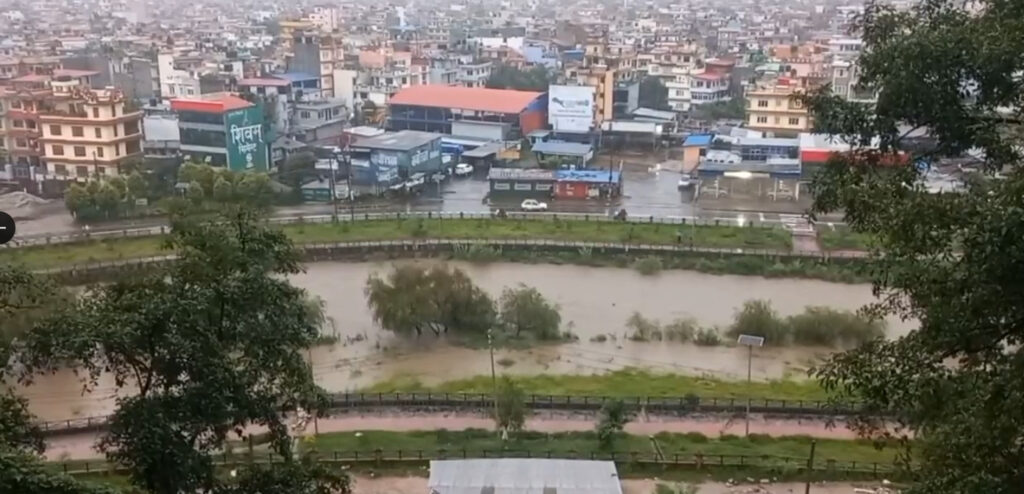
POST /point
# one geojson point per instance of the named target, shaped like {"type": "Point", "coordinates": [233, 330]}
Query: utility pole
{"type": "Point", "coordinates": [334, 179]}
{"type": "Point", "coordinates": [494, 376]}
{"type": "Point", "coordinates": [348, 178]}
{"type": "Point", "coordinates": [750, 359]}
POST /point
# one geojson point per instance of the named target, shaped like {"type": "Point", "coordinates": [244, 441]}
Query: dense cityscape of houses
{"type": "Point", "coordinates": [87, 86]}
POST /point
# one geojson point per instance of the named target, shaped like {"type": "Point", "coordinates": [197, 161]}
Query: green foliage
{"type": "Point", "coordinates": [215, 187]}
{"type": "Point", "coordinates": [653, 93]}
{"type": "Point", "coordinates": [951, 261]}
{"type": "Point", "coordinates": [758, 318]}
{"type": "Point", "coordinates": [25, 299]}
{"type": "Point", "coordinates": [415, 297]}
{"type": "Point", "coordinates": [611, 420]}
{"type": "Point", "coordinates": [208, 345]}
{"type": "Point", "coordinates": [643, 329]}
{"type": "Point", "coordinates": [296, 477]}
{"type": "Point", "coordinates": [817, 326]}
{"type": "Point", "coordinates": [524, 309]}
{"type": "Point", "coordinates": [511, 407]}
{"type": "Point", "coordinates": [734, 109]}
{"type": "Point", "coordinates": [648, 265]}
{"type": "Point", "coordinates": [536, 78]}
{"type": "Point", "coordinates": [826, 326]}
{"type": "Point", "coordinates": [707, 337]}
{"type": "Point", "coordinates": [22, 473]}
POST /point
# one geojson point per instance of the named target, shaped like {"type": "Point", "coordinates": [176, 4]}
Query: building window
{"type": "Point", "coordinates": [16, 105]}
{"type": "Point", "coordinates": [762, 120]}
{"type": "Point", "coordinates": [762, 103]}
{"type": "Point", "coordinates": [77, 131]}
{"type": "Point", "coordinates": [58, 150]}
{"type": "Point", "coordinates": [99, 152]}
{"type": "Point", "coordinates": [82, 171]}
{"type": "Point", "coordinates": [794, 121]}
{"type": "Point", "coordinates": [18, 124]}
{"type": "Point", "coordinates": [115, 130]}
{"type": "Point", "coordinates": [95, 112]}
{"type": "Point", "coordinates": [98, 131]}
{"type": "Point", "coordinates": [304, 115]}
{"type": "Point", "coordinates": [501, 186]}
{"type": "Point", "coordinates": [101, 170]}
{"type": "Point", "coordinates": [20, 143]}
{"type": "Point", "coordinates": [117, 149]}
{"type": "Point", "coordinates": [80, 151]}
{"type": "Point", "coordinates": [60, 170]}
{"type": "Point", "coordinates": [113, 110]}
{"type": "Point", "coordinates": [55, 130]}
{"type": "Point", "coordinates": [526, 186]}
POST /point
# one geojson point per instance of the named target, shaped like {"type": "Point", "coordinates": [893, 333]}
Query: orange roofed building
{"type": "Point", "coordinates": [434, 108]}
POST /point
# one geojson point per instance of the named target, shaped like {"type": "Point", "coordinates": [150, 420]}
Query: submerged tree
{"type": "Point", "coordinates": [414, 298]}
{"type": "Point", "coordinates": [524, 309]}
{"type": "Point", "coordinates": [952, 261]}
{"type": "Point", "coordinates": [208, 346]}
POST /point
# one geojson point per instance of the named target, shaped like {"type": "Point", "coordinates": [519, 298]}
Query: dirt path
{"type": "Point", "coordinates": [81, 445]}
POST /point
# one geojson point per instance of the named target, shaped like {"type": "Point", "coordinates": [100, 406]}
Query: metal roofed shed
{"type": "Point", "coordinates": [465, 98]}
{"type": "Point", "coordinates": [399, 141]}
{"type": "Point", "coordinates": [523, 476]}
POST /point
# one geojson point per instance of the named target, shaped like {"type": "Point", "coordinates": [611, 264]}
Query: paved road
{"type": "Point", "coordinates": [81, 445]}
{"type": "Point", "coordinates": [646, 194]}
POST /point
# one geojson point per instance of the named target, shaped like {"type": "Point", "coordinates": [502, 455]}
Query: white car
{"type": "Point", "coordinates": [463, 169]}
{"type": "Point", "coordinates": [533, 205]}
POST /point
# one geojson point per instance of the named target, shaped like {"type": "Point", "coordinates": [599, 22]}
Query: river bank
{"type": "Point", "coordinates": [593, 302]}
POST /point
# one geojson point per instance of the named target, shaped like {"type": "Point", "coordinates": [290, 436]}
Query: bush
{"type": "Point", "coordinates": [758, 318]}
{"type": "Point", "coordinates": [681, 329]}
{"type": "Point", "coordinates": [643, 329]}
{"type": "Point", "coordinates": [707, 337]}
{"type": "Point", "coordinates": [825, 326]}
{"type": "Point", "coordinates": [601, 338]}
{"type": "Point", "coordinates": [648, 265]}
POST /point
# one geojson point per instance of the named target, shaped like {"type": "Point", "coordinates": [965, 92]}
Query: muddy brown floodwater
{"type": "Point", "coordinates": [593, 301]}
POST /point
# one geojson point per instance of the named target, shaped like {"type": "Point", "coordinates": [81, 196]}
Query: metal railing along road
{"type": "Point", "coordinates": [672, 459]}
{"type": "Point", "coordinates": [48, 239]}
{"type": "Point", "coordinates": [483, 401]}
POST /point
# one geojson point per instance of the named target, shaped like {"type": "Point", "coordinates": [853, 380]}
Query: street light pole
{"type": "Point", "coordinates": [749, 341]}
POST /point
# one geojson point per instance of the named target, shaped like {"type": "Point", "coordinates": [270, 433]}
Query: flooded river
{"type": "Point", "coordinates": [593, 301]}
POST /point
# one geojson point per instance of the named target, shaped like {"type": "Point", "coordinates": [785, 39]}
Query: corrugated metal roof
{"type": "Point", "coordinates": [399, 141]}
{"type": "Point", "coordinates": [465, 98]}
{"type": "Point", "coordinates": [523, 476]}
{"type": "Point", "coordinates": [562, 148]}
{"type": "Point", "coordinates": [698, 140]}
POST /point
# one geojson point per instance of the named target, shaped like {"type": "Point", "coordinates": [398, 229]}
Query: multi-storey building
{"type": "Point", "coordinates": [603, 80]}
{"type": "Point", "coordinates": [777, 110]}
{"type": "Point", "coordinates": [223, 130]}
{"type": "Point", "coordinates": [88, 133]}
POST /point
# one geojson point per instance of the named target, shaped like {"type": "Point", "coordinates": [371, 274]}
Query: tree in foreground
{"type": "Point", "coordinates": [23, 298]}
{"type": "Point", "coordinates": [952, 261]}
{"type": "Point", "coordinates": [524, 309]}
{"type": "Point", "coordinates": [201, 350]}
{"type": "Point", "coordinates": [511, 406]}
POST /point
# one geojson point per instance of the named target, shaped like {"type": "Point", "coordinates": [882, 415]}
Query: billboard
{"type": "Point", "coordinates": [571, 108]}
{"type": "Point", "coordinates": [246, 142]}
